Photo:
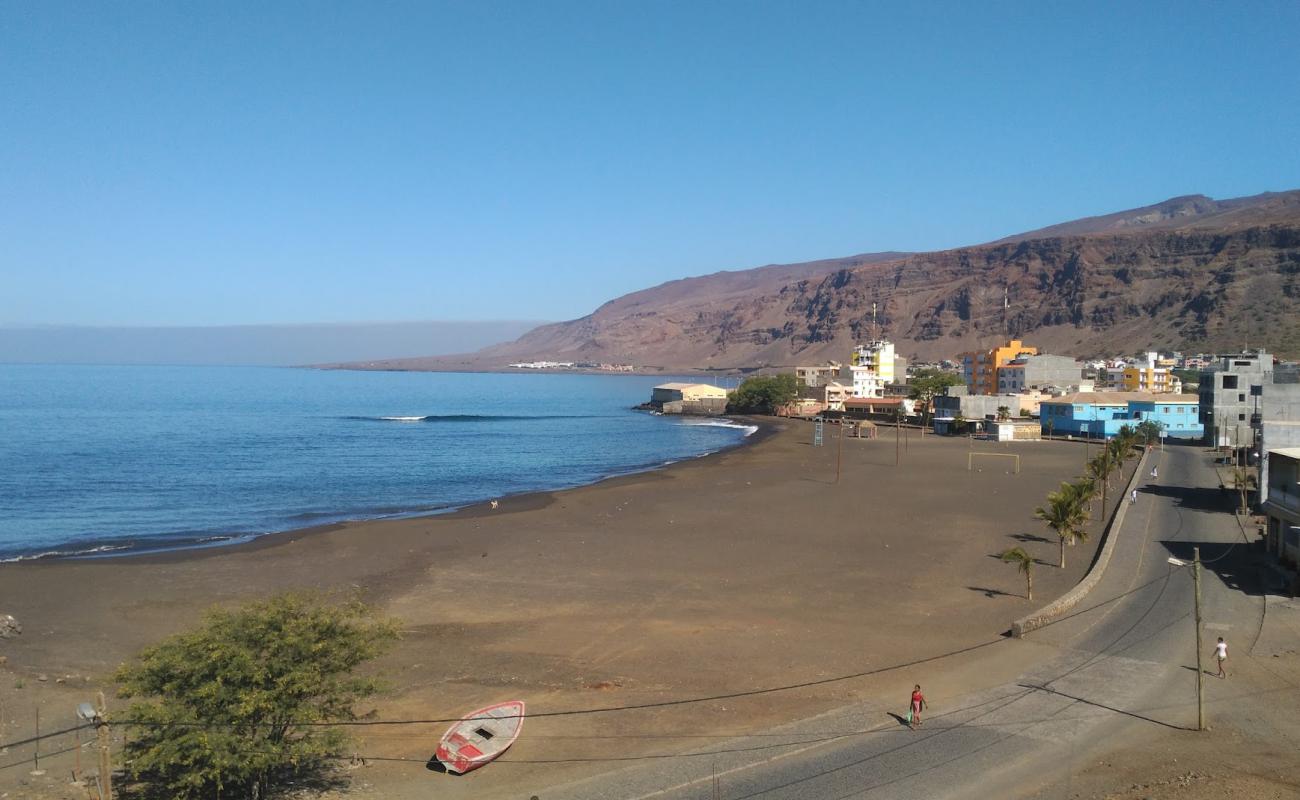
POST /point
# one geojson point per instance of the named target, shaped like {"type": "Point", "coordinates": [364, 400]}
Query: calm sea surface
{"type": "Point", "coordinates": [117, 459]}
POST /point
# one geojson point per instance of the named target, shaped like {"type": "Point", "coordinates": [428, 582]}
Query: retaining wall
{"type": "Point", "coordinates": [1072, 598]}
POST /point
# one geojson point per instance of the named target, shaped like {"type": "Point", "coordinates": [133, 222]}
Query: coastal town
{"type": "Point", "coordinates": [1245, 406]}
{"type": "Point", "coordinates": [650, 401]}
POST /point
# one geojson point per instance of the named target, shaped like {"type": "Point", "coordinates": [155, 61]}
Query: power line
{"type": "Point", "coordinates": [44, 736]}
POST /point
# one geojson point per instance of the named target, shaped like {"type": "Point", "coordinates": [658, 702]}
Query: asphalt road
{"type": "Point", "coordinates": [1122, 662]}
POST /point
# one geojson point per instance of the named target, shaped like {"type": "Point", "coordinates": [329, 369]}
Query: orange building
{"type": "Point", "coordinates": [980, 367]}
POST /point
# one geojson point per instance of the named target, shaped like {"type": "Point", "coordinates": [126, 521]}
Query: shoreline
{"type": "Point", "coordinates": [745, 568]}
{"type": "Point", "coordinates": [103, 549]}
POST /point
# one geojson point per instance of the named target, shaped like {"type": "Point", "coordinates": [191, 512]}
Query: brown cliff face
{"type": "Point", "coordinates": [1192, 274]}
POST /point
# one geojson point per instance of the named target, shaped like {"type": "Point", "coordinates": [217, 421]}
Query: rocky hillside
{"type": "Point", "coordinates": [1190, 273]}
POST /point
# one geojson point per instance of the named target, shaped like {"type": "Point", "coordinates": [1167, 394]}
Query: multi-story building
{"type": "Point", "coordinates": [1280, 496]}
{"type": "Point", "coordinates": [836, 394]}
{"type": "Point", "coordinates": [871, 367]}
{"type": "Point", "coordinates": [1038, 372]}
{"type": "Point", "coordinates": [1100, 415]}
{"type": "Point", "coordinates": [1229, 397]}
{"type": "Point", "coordinates": [818, 375]}
{"type": "Point", "coordinates": [1279, 424]}
{"type": "Point", "coordinates": [1151, 375]}
{"type": "Point", "coordinates": [958, 403]}
{"type": "Point", "coordinates": [980, 367]}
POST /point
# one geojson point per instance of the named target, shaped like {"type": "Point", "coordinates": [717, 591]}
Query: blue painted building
{"type": "Point", "coordinates": [1098, 415]}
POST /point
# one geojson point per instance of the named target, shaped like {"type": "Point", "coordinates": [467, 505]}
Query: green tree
{"type": "Point", "coordinates": [1004, 413]}
{"type": "Point", "coordinates": [926, 383]}
{"type": "Point", "coordinates": [1100, 468]}
{"type": "Point", "coordinates": [1086, 487]}
{"type": "Point", "coordinates": [1025, 565]}
{"type": "Point", "coordinates": [1123, 447]}
{"type": "Point", "coordinates": [763, 394]}
{"type": "Point", "coordinates": [1148, 431]}
{"type": "Point", "coordinates": [227, 710]}
{"type": "Point", "coordinates": [1066, 514]}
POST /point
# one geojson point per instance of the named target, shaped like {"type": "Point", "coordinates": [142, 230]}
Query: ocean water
{"type": "Point", "coordinates": [104, 460]}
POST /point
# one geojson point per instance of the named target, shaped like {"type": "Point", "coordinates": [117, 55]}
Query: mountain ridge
{"type": "Point", "coordinates": [1188, 273]}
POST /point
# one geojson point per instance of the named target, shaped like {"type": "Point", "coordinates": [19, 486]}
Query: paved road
{"type": "Point", "coordinates": [1112, 667]}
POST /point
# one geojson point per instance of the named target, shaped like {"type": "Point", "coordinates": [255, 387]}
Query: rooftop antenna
{"type": "Point", "coordinates": [875, 329]}
{"type": "Point", "coordinates": [1006, 314]}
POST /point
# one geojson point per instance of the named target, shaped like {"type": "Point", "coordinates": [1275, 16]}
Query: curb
{"type": "Point", "coordinates": [1071, 598]}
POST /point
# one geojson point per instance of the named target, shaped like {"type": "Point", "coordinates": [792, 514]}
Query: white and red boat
{"type": "Point", "coordinates": [481, 736]}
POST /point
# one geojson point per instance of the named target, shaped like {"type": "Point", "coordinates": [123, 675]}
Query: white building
{"type": "Point", "coordinates": [871, 367]}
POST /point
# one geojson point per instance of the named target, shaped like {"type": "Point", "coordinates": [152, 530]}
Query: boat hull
{"type": "Point", "coordinates": [480, 737]}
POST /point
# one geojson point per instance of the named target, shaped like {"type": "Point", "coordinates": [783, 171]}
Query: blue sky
{"type": "Point", "coordinates": [216, 163]}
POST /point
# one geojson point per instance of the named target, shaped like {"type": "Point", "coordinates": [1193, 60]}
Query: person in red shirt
{"type": "Point", "coordinates": [918, 705]}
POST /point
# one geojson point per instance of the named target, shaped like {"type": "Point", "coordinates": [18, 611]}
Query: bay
{"type": "Point", "coordinates": [118, 459]}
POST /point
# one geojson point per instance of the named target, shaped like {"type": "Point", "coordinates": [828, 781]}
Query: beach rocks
{"type": "Point", "coordinates": [9, 627]}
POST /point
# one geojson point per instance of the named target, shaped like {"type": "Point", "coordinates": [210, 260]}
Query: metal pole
{"type": "Point", "coordinates": [36, 757]}
{"type": "Point", "coordinates": [898, 434]}
{"type": "Point", "coordinates": [105, 762]}
{"type": "Point", "coordinates": [1200, 670]}
{"type": "Point", "coordinates": [839, 452]}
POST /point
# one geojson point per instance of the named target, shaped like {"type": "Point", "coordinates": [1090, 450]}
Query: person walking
{"type": "Point", "coordinates": [1155, 472]}
{"type": "Point", "coordinates": [917, 706]}
{"type": "Point", "coordinates": [1133, 496]}
{"type": "Point", "coordinates": [1221, 655]}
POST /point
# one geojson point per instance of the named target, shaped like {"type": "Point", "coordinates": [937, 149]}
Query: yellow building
{"type": "Point", "coordinates": [871, 367]}
{"type": "Point", "coordinates": [686, 392]}
{"type": "Point", "coordinates": [980, 367]}
{"type": "Point", "coordinates": [1157, 380]}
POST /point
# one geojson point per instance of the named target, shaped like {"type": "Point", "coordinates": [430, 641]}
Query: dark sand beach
{"type": "Point", "coordinates": [746, 569]}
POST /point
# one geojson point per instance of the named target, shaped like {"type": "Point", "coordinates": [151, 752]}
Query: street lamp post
{"type": "Point", "coordinates": [97, 715]}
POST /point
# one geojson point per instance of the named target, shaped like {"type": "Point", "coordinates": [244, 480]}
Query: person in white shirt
{"type": "Point", "coordinates": [1221, 653]}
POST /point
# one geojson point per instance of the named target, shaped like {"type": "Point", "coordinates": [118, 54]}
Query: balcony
{"type": "Point", "coordinates": [1284, 498]}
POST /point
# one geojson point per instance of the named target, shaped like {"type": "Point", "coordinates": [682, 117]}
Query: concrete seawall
{"type": "Point", "coordinates": [1081, 589]}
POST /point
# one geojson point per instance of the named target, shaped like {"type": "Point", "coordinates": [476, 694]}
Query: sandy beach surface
{"type": "Point", "coordinates": [747, 569]}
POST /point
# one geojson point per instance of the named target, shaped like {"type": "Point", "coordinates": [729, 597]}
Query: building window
{"type": "Point", "coordinates": [1241, 398]}
{"type": "Point", "coordinates": [1241, 417]}
{"type": "Point", "coordinates": [1230, 381]}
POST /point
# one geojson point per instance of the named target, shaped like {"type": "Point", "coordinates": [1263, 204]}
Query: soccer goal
{"type": "Point", "coordinates": [970, 459]}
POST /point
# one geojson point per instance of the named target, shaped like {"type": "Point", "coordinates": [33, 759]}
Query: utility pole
{"type": "Point", "coordinates": [1200, 671]}
{"type": "Point", "coordinates": [898, 432]}
{"type": "Point", "coordinates": [105, 760]}
{"type": "Point", "coordinates": [839, 452]}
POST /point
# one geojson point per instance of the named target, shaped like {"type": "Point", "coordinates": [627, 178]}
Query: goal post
{"type": "Point", "coordinates": [970, 459]}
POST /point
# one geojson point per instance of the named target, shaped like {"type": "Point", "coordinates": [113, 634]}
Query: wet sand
{"type": "Point", "coordinates": [746, 569]}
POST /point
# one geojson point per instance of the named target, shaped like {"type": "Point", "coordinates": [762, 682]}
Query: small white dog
{"type": "Point", "coordinates": [494, 504]}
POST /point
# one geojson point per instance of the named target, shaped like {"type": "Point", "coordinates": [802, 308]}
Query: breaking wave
{"type": "Point", "coordinates": [467, 417]}
{"type": "Point", "coordinates": [722, 423]}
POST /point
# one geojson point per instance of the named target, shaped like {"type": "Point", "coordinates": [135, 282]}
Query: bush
{"type": "Point", "coordinates": [225, 710]}
{"type": "Point", "coordinates": [763, 394]}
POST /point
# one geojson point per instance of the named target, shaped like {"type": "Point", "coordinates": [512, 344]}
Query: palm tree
{"type": "Point", "coordinates": [1065, 514]}
{"type": "Point", "coordinates": [1087, 489]}
{"type": "Point", "coordinates": [1242, 481]}
{"type": "Point", "coordinates": [1100, 468]}
{"type": "Point", "coordinates": [1004, 413]}
{"type": "Point", "coordinates": [1124, 445]}
{"type": "Point", "coordinates": [1025, 563]}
